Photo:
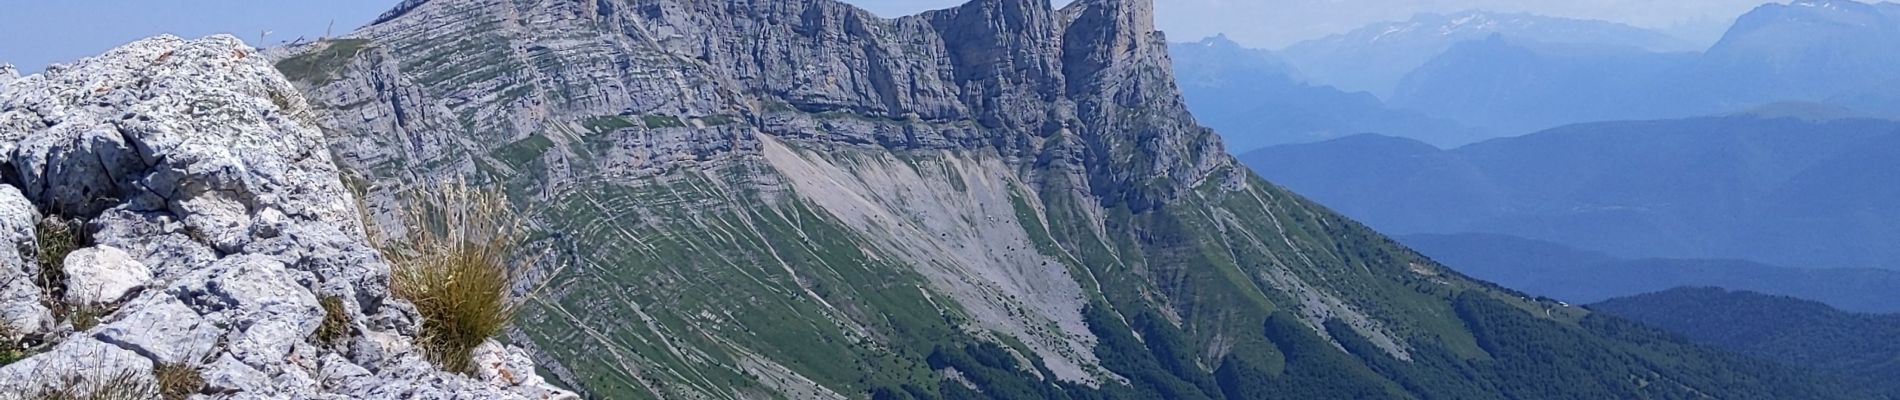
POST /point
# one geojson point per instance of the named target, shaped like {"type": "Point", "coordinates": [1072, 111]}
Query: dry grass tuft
{"type": "Point", "coordinates": [178, 381]}
{"type": "Point", "coordinates": [85, 316]}
{"type": "Point", "coordinates": [454, 264]}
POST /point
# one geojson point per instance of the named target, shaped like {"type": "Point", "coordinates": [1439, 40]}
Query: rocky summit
{"type": "Point", "coordinates": [212, 226]}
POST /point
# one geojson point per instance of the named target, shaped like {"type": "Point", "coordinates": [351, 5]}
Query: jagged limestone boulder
{"type": "Point", "coordinates": [204, 181]}
{"type": "Point", "coordinates": [163, 329]}
{"type": "Point", "coordinates": [77, 362]}
{"type": "Point", "coordinates": [7, 75]}
{"type": "Point", "coordinates": [21, 311]}
{"type": "Point", "coordinates": [510, 367]}
{"type": "Point", "coordinates": [157, 239]}
{"type": "Point", "coordinates": [102, 275]}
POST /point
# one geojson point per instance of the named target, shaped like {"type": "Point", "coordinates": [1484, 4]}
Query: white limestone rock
{"type": "Point", "coordinates": [7, 75]}
{"type": "Point", "coordinates": [203, 179]}
{"type": "Point", "coordinates": [510, 367]}
{"type": "Point", "coordinates": [21, 311]}
{"type": "Point", "coordinates": [160, 327]}
{"type": "Point", "coordinates": [270, 312]}
{"type": "Point", "coordinates": [156, 239]}
{"type": "Point", "coordinates": [102, 275]}
{"type": "Point", "coordinates": [79, 359]}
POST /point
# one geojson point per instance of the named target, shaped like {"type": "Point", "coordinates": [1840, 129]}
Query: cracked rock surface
{"type": "Point", "coordinates": [217, 222]}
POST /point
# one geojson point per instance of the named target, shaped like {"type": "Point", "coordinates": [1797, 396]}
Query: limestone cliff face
{"type": "Point", "coordinates": [734, 188]}
{"type": "Point", "coordinates": [1090, 81]}
{"type": "Point", "coordinates": [214, 225]}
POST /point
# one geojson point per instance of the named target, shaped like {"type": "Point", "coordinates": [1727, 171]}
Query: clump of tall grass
{"type": "Point", "coordinates": [56, 237]}
{"type": "Point", "coordinates": [454, 263]}
{"type": "Point", "coordinates": [178, 381]}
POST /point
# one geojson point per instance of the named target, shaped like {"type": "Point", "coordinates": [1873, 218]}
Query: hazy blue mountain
{"type": "Point", "coordinates": [1807, 50]}
{"type": "Point", "coordinates": [1484, 74]}
{"type": "Point", "coordinates": [1788, 330]}
{"type": "Point", "coordinates": [1838, 52]}
{"type": "Point", "coordinates": [1376, 57]}
{"type": "Point", "coordinates": [1511, 85]}
{"type": "Point", "coordinates": [1581, 276]}
{"type": "Point", "coordinates": [1798, 192]}
{"type": "Point", "coordinates": [1255, 99]}
{"type": "Point", "coordinates": [1396, 185]}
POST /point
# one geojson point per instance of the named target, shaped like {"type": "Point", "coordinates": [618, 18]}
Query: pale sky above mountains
{"type": "Point", "coordinates": [42, 32]}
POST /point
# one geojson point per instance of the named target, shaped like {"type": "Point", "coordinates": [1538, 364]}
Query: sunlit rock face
{"type": "Point", "coordinates": [214, 221]}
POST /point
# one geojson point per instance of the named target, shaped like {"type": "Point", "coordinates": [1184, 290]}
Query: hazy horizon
{"type": "Point", "coordinates": [55, 32]}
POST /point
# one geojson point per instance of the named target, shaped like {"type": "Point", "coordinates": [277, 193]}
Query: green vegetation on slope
{"type": "Point", "coordinates": [322, 66]}
{"type": "Point", "coordinates": [701, 282]}
{"type": "Point", "coordinates": [1782, 329]}
{"type": "Point", "coordinates": [675, 274]}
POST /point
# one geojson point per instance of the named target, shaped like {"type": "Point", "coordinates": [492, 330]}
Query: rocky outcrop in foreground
{"type": "Point", "coordinates": [216, 238]}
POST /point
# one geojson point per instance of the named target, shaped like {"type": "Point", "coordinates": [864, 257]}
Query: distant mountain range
{"type": "Point", "coordinates": [1800, 192]}
{"type": "Point", "coordinates": [1256, 100]}
{"type": "Point", "coordinates": [1515, 86]}
{"type": "Point", "coordinates": [1827, 51]}
{"type": "Point", "coordinates": [1581, 276]}
{"type": "Point", "coordinates": [1375, 58]}
{"type": "Point", "coordinates": [1782, 329]}
{"type": "Point", "coordinates": [1496, 74]}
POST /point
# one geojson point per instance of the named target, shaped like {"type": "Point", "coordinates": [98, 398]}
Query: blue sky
{"type": "Point", "coordinates": [39, 32]}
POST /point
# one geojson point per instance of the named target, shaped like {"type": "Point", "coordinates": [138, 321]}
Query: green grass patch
{"type": "Point", "coordinates": [605, 124]}
{"type": "Point", "coordinates": [322, 66]}
{"type": "Point", "coordinates": [657, 121]}
{"type": "Point", "coordinates": [524, 151]}
{"type": "Point", "coordinates": [718, 120]}
{"type": "Point", "coordinates": [336, 321]}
